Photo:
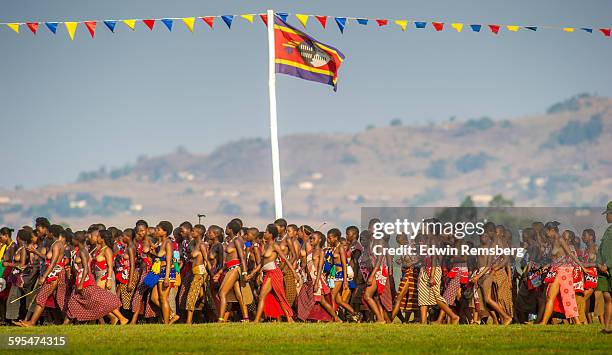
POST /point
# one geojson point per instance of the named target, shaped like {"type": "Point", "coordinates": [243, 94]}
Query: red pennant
{"type": "Point", "coordinates": [149, 23]}
{"type": "Point", "coordinates": [33, 26]}
{"type": "Point", "coordinates": [210, 20]}
{"type": "Point", "coordinates": [606, 31]}
{"type": "Point", "coordinates": [264, 18]}
{"type": "Point", "coordinates": [495, 28]}
{"type": "Point", "coordinates": [322, 20]}
{"type": "Point", "coordinates": [439, 26]}
{"type": "Point", "coordinates": [91, 27]}
{"type": "Point", "coordinates": [382, 22]}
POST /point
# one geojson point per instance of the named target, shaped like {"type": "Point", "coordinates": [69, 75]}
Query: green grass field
{"type": "Point", "coordinates": [317, 338]}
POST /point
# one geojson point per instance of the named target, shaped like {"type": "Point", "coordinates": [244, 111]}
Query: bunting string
{"type": "Point", "coordinates": [342, 22]}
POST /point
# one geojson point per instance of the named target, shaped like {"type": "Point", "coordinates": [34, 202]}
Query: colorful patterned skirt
{"type": "Point", "coordinates": [276, 297]}
{"type": "Point", "coordinates": [46, 294]}
{"type": "Point", "coordinates": [141, 300]}
{"type": "Point", "coordinates": [429, 295]}
{"type": "Point", "coordinates": [124, 290]}
{"type": "Point", "coordinates": [565, 302]}
{"type": "Point", "coordinates": [92, 303]}
{"type": "Point", "coordinates": [410, 300]}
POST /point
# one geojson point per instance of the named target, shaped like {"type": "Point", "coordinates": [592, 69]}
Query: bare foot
{"type": "Point", "coordinates": [24, 324]}
{"type": "Point", "coordinates": [435, 322]}
{"type": "Point", "coordinates": [338, 320]}
{"type": "Point", "coordinates": [124, 321]}
{"type": "Point", "coordinates": [290, 320]}
{"type": "Point", "coordinates": [114, 320]}
{"type": "Point", "coordinates": [174, 319]}
{"type": "Point", "coordinates": [455, 320]}
{"type": "Point", "coordinates": [507, 321]}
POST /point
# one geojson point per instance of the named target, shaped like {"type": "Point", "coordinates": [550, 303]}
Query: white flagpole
{"type": "Point", "coordinates": [278, 201]}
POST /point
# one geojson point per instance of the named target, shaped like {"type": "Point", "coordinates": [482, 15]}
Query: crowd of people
{"type": "Point", "coordinates": [194, 274]}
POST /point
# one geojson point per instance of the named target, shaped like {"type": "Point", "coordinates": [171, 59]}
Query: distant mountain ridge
{"type": "Point", "coordinates": [560, 158]}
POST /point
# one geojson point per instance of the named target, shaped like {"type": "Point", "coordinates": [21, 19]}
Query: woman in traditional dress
{"type": "Point", "coordinates": [198, 253]}
{"type": "Point", "coordinates": [164, 254]}
{"type": "Point", "coordinates": [125, 270]}
{"type": "Point", "coordinates": [235, 271]}
{"type": "Point", "coordinates": [560, 277]}
{"type": "Point", "coordinates": [407, 300]}
{"type": "Point", "coordinates": [589, 255]}
{"type": "Point", "coordinates": [16, 278]}
{"type": "Point", "coordinates": [103, 261]}
{"type": "Point", "coordinates": [53, 281]}
{"type": "Point", "coordinates": [340, 268]}
{"type": "Point", "coordinates": [89, 302]}
{"type": "Point", "coordinates": [430, 279]}
{"type": "Point", "coordinates": [273, 276]}
{"type": "Point", "coordinates": [141, 304]}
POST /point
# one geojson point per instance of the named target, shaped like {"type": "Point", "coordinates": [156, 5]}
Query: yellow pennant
{"type": "Point", "coordinates": [14, 26]}
{"type": "Point", "coordinates": [512, 28]}
{"type": "Point", "coordinates": [568, 29]}
{"type": "Point", "coordinates": [402, 24]}
{"type": "Point", "coordinates": [130, 24]}
{"type": "Point", "coordinates": [71, 27]}
{"type": "Point", "coordinates": [248, 17]}
{"type": "Point", "coordinates": [457, 26]}
{"type": "Point", "coordinates": [189, 21]}
{"type": "Point", "coordinates": [302, 18]}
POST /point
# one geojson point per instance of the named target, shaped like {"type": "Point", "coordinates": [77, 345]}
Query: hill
{"type": "Point", "coordinates": [560, 158]}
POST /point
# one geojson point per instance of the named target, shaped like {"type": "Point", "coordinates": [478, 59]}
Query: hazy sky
{"type": "Point", "coordinates": [69, 106]}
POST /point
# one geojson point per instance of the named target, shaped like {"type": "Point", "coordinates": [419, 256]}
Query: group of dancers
{"type": "Point", "coordinates": [193, 274]}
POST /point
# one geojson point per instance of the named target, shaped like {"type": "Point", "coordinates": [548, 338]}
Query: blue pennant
{"type": "Point", "coordinates": [168, 22]}
{"type": "Point", "coordinates": [362, 21]}
{"type": "Point", "coordinates": [111, 25]}
{"type": "Point", "coordinates": [341, 21]}
{"type": "Point", "coordinates": [476, 28]}
{"type": "Point", "coordinates": [52, 26]}
{"type": "Point", "coordinates": [589, 30]}
{"type": "Point", "coordinates": [420, 24]}
{"type": "Point", "coordinates": [228, 20]}
{"type": "Point", "coordinates": [533, 28]}
{"type": "Point", "coordinates": [283, 16]}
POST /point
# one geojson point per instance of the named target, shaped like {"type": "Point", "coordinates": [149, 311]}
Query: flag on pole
{"type": "Point", "coordinates": [297, 54]}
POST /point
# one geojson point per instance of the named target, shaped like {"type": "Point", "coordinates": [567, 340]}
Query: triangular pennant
{"type": "Point", "coordinates": [512, 28]}
{"type": "Point", "coordinates": [264, 18]}
{"type": "Point", "coordinates": [382, 22]}
{"type": "Point", "coordinates": [495, 28]}
{"type": "Point", "coordinates": [362, 21]}
{"type": "Point", "coordinates": [189, 21]}
{"type": "Point", "coordinates": [111, 25]}
{"type": "Point", "coordinates": [91, 27]}
{"type": "Point", "coordinates": [568, 29]}
{"type": "Point", "coordinates": [476, 28]}
{"type": "Point", "coordinates": [14, 26]}
{"type": "Point", "coordinates": [71, 27]}
{"type": "Point", "coordinates": [283, 16]}
{"type": "Point", "coordinates": [33, 26]}
{"type": "Point", "coordinates": [605, 31]}
{"type": "Point", "coordinates": [402, 24]}
{"type": "Point", "coordinates": [420, 24]}
{"type": "Point", "coordinates": [302, 18]}
{"type": "Point", "coordinates": [130, 23]}
{"type": "Point", "coordinates": [149, 23]}
{"type": "Point", "coordinates": [52, 26]}
{"type": "Point", "coordinates": [586, 29]}
{"type": "Point", "coordinates": [439, 26]}
{"type": "Point", "coordinates": [341, 21]}
{"type": "Point", "coordinates": [248, 17]}
{"type": "Point", "coordinates": [457, 26]}
{"type": "Point", "coordinates": [532, 28]}
{"type": "Point", "coordinates": [322, 20]}
{"type": "Point", "coordinates": [168, 22]}
{"type": "Point", "coordinates": [210, 20]}
{"type": "Point", "coordinates": [228, 20]}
